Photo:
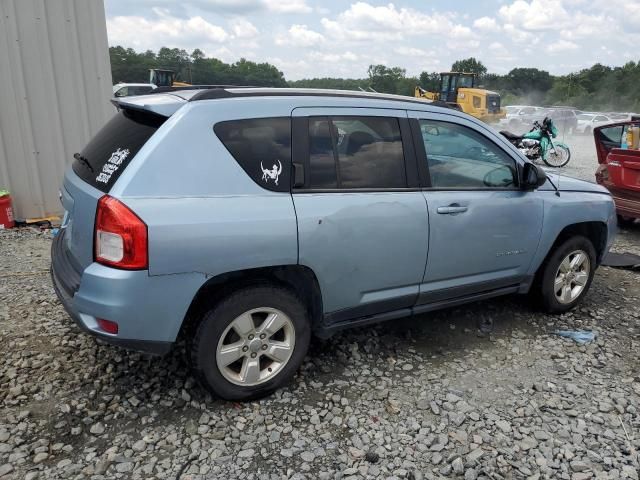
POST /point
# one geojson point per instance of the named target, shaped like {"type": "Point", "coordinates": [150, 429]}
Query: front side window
{"type": "Point", "coordinates": [262, 147]}
{"type": "Point", "coordinates": [459, 157]}
{"type": "Point", "coordinates": [356, 152]}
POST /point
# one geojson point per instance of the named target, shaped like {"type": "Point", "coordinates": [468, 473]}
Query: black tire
{"type": "Point", "coordinates": [567, 154]}
{"type": "Point", "coordinates": [216, 320]}
{"type": "Point", "coordinates": [625, 222]}
{"type": "Point", "coordinates": [543, 288]}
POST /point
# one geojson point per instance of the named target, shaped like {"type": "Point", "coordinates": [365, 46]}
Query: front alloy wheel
{"type": "Point", "coordinates": [255, 346]}
{"type": "Point", "coordinates": [566, 275]}
{"type": "Point", "coordinates": [572, 277]}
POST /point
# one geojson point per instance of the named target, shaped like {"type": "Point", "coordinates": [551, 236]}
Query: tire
{"type": "Point", "coordinates": [249, 309]}
{"type": "Point", "coordinates": [560, 158]}
{"type": "Point", "coordinates": [625, 222]}
{"type": "Point", "coordinates": [545, 287]}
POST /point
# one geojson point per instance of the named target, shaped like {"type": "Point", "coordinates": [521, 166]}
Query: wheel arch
{"type": "Point", "coordinates": [297, 278]}
{"type": "Point", "coordinates": [595, 231]}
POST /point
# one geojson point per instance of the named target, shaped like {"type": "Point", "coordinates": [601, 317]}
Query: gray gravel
{"type": "Point", "coordinates": [430, 397]}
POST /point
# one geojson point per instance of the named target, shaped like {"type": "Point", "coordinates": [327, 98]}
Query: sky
{"type": "Point", "coordinates": [331, 38]}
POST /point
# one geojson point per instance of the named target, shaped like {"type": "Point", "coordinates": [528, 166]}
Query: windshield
{"type": "Point", "coordinates": [585, 117]}
{"type": "Point", "coordinates": [465, 82]}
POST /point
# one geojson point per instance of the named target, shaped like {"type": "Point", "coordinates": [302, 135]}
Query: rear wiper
{"type": "Point", "coordinates": [82, 159]}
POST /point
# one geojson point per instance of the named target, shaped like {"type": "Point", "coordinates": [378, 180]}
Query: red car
{"type": "Point", "coordinates": [619, 169]}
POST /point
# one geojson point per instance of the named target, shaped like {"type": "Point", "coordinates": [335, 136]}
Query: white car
{"type": "Point", "coordinates": [519, 116]}
{"type": "Point", "coordinates": [129, 89]}
{"type": "Point", "coordinates": [588, 121]}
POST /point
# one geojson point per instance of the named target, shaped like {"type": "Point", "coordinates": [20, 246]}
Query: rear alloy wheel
{"type": "Point", "coordinates": [255, 346]}
{"type": "Point", "coordinates": [251, 343]}
{"type": "Point", "coordinates": [566, 275]}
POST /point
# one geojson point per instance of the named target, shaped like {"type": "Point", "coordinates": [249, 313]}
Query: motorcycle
{"type": "Point", "coordinates": [538, 144]}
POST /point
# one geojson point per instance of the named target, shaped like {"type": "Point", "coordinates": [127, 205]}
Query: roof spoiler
{"type": "Point", "coordinates": [161, 104]}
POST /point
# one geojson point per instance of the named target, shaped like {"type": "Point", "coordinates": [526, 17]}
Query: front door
{"type": "Point", "coordinates": [483, 230]}
{"type": "Point", "coordinates": [362, 219]}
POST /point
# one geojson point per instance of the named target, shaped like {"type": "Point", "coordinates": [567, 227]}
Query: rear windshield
{"type": "Point", "coordinates": [107, 155]}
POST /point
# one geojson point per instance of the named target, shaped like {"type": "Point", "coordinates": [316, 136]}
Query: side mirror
{"type": "Point", "coordinates": [532, 177]}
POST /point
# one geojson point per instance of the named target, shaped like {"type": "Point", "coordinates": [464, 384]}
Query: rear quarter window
{"type": "Point", "coordinates": [262, 147]}
{"type": "Point", "coordinates": [108, 154]}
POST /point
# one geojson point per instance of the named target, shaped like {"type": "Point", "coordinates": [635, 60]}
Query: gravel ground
{"type": "Point", "coordinates": [484, 391]}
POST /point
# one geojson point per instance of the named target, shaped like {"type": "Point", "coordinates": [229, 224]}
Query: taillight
{"type": "Point", "coordinates": [120, 236]}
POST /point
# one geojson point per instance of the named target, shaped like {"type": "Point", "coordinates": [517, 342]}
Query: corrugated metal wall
{"type": "Point", "coordinates": [55, 85]}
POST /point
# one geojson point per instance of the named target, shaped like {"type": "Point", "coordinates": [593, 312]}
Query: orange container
{"type": "Point", "coordinates": [6, 212]}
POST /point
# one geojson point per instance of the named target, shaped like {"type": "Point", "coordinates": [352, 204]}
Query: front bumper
{"type": "Point", "coordinates": [66, 276]}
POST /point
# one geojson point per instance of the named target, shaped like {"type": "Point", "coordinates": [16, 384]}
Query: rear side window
{"type": "Point", "coordinates": [356, 152]}
{"type": "Point", "coordinates": [262, 147]}
{"type": "Point", "coordinates": [108, 154]}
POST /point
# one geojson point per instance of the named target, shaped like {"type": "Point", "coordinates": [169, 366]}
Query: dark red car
{"type": "Point", "coordinates": [619, 169]}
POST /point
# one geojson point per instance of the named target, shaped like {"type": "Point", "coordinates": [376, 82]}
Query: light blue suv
{"type": "Point", "coordinates": [244, 219]}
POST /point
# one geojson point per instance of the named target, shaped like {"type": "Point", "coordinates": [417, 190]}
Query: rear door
{"type": "Point", "coordinates": [362, 219]}
{"type": "Point", "coordinates": [483, 228]}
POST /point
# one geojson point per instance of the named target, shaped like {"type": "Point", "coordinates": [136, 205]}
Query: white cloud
{"type": "Point", "coordinates": [300, 36]}
{"type": "Point", "coordinates": [519, 36]}
{"type": "Point", "coordinates": [561, 46]}
{"type": "Point", "coordinates": [413, 52]}
{"type": "Point", "coordinates": [486, 24]}
{"type": "Point", "coordinates": [536, 15]}
{"type": "Point", "coordinates": [333, 57]}
{"type": "Point", "coordinates": [288, 6]}
{"type": "Point", "coordinates": [164, 31]}
{"type": "Point", "coordinates": [243, 28]}
{"type": "Point", "coordinates": [363, 21]}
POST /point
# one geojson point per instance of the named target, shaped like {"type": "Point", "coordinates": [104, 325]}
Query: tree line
{"type": "Point", "coordinates": [599, 87]}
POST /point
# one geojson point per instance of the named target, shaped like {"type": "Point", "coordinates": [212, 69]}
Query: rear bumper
{"type": "Point", "coordinates": [627, 202]}
{"type": "Point", "coordinates": [66, 278]}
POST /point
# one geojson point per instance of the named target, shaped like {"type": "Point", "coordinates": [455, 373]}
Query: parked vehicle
{"type": "Point", "coordinates": [244, 219]}
{"type": "Point", "coordinates": [565, 118]}
{"type": "Point", "coordinates": [588, 121]}
{"type": "Point", "coordinates": [538, 144]}
{"type": "Point", "coordinates": [619, 166]}
{"type": "Point", "coordinates": [130, 89]}
{"type": "Point", "coordinates": [520, 116]}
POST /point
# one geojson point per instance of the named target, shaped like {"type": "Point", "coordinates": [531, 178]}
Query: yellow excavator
{"type": "Point", "coordinates": [458, 90]}
{"type": "Point", "coordinates": [161, 77]}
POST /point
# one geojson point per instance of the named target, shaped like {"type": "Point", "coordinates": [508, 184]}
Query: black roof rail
{"type": "Point", "coordinates": [192, 87]}
{"type": "Point", "coordinates": [223, 92]}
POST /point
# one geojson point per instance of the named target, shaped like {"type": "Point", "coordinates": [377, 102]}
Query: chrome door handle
{"type": "Point", "coordinates": [451, 209]}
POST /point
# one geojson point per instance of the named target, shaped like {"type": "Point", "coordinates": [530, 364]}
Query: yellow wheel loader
{"type": "Point", "coordinates": [165, 78]}
{"type": "Point", "coordinates": [458, 90]}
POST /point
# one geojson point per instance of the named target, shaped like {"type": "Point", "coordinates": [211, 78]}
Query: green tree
{"type": "Point", "coordinates": [384, 79]}
{"type": "Point", "coordinates": [469, 65]}
{"type": "Point", "coordinates": [526, 80]}
{"type": "Point", "coordinates": [430, 81]}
